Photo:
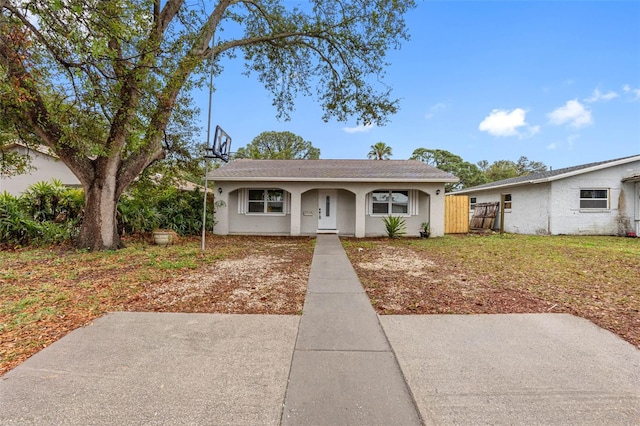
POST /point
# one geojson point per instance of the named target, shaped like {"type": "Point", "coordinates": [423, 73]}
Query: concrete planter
{"type": "Point", "coordinates": [163, 238]}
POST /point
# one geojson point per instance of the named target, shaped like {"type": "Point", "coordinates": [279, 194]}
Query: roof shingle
{"type": "Point", "coordinates": [330, 170]}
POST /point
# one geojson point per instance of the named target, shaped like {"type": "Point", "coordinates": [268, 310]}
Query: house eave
{"type": "Point", "coordinates": [594, 168]}
{"type": "Point", "coordinates": [42, 149]}
{"type": "Point", "coordinates": [311, 179]}
{"type": "Point", "coordinates": [505, 186]}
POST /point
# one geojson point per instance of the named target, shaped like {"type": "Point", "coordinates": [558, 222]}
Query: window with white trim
{"type": "Point", "coordinates": [472, 203]}
{"type": "Point", "coordinates": [265, 201]}
{"type": "Point", "coordinates": [594, 198]}
{"type": "Point", "coordinates": [390, 202]}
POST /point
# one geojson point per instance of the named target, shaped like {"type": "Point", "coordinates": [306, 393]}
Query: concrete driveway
{"type": "Point", "coordinates": [152, 368]}
{"type": "Point", "coordinates": [546, 369]}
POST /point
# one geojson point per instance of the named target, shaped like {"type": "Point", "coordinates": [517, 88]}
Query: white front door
{"type": "Point", "coordinates": [327, 209]}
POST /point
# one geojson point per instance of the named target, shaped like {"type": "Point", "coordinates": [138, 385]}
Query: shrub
{"type": "Point", "coordinates": [395, 226]}
{"type": "Point", "coordinates": [147, 207]}
{"type": "Point", "coordinates": [43, 200]}
{"type": "Point", "coordinates": [181, 211]}
{"type": "Point", "coordinates": [19, 228]}
{"type": "Point", "coordinates": [136, 215]}
{"type": "Point", "coordinates": [16, 226]}
{"type": "Point", "coordinates": [49, 212]}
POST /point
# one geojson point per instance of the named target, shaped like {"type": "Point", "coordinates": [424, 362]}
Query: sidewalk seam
{"type": "Point", "coordinates": [404, 378]}
{"type": "Point", "coordinates": [344, 350]}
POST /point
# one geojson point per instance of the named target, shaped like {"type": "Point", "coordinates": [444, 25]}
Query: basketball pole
{"type": "Point", "coordinates": [206, 157]}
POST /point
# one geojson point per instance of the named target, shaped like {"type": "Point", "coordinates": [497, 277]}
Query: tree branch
{"type": "Point", "coordinates": [33, 110]}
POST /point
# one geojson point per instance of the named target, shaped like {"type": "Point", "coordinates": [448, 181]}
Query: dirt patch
{"type": "Point", "coordinates": [392, 260]}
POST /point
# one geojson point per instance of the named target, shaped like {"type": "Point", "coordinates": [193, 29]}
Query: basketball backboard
{"type": "Point", "coordinates": [221, 145]}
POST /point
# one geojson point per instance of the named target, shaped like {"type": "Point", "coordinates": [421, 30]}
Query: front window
{"type": "Point", "coordinates": [594, 198]}
{"type": "Point", "coordinates": [266, 201]}
{"type": "Point", "coordinates": [390, 202]}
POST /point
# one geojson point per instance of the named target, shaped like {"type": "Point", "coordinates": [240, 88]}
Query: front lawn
{"type": "Point", "coordinates": [597, 278]}
{"type": "Point", "coordinates": [45, 293]}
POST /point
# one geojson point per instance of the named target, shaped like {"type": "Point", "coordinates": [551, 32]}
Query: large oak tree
{"type": "Point", "coordinates": [97, 81]}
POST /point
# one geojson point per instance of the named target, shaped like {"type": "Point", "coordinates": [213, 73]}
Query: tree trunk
{"type": "Point", "coordinates": [99, 229]}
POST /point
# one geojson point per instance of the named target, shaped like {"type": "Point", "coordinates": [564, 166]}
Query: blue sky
{"type": "Point", "coordinates": [558, 82]}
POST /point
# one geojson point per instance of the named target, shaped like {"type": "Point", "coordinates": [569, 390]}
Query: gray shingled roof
{"type": "Point", "coordinates": [549, 174]}
{"type": "Point", "coordinates": [331, 170]}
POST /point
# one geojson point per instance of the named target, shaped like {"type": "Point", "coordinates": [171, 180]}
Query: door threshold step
{"type": "Point", "coordinates": [327, 231]}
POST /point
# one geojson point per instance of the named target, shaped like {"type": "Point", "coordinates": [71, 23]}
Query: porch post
{"type": "Point", "coordinates": [360, 215]}
{"type": "Point", "coordinates": [221, 216]}
{"type": "Point", "coordinates": [296, 206]}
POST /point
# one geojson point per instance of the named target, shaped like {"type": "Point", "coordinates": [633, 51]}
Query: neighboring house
{"type": "Point", "coordinates": [45, 166]}
{"type": "Point", "coordinates": [306, 197]}
{"type": "Point", "coordinates": [600, 198]}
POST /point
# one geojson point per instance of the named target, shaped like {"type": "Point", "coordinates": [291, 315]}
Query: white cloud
{"type": "Point", "coordinates": [572, 113]}
{"type": "Point", "coordinates": [634, 92]}
{"type": "Point", "coordinates": [597, 96]}
{"type": "Point", "coordinates": [362, 128]}
{"type": "Point", "coordinates": [435, 109]}
{"type": "Point", "coordinates": [508, 123]}
{"type": "Point", "coordinates": [552, 146]}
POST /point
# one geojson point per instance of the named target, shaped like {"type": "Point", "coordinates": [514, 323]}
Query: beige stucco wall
{"type": "Point", "coordinates": [45, 169]}
{"type": "Point", "coordinates": [351, 219]}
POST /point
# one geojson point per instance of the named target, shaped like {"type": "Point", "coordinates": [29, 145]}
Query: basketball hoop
{"type": "Point", "coordinates": [219, 149]}
{"type": "Point", "coordinates": [221, 145]}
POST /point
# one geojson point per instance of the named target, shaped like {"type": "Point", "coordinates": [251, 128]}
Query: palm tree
{"type": "Point", "coordinates": [379, 151]}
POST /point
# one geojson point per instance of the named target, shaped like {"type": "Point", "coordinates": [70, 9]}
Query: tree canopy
{"type": "Point", "coordinates": [468, 173]}
{"type": "Point", "coordinates": [471, 174]}
{"type": "Point", "coordinates": [99, 82]}
{"type": "Point", "coordinates": [279, 146]}
{"type": "Point", "coordinates": [380, 151]}
{"type": "Point", "coordinates": [506, 169]}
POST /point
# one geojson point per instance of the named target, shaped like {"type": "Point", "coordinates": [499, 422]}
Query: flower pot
{"type": "Point", "coordinates": [424, 234]}
{"type": "Point", "coordinates": [162, 238]}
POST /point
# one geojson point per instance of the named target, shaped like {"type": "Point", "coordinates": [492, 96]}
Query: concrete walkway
{"type": "Point", "coordinates": [343, 371]}
{"type": "Point", "coordinates": [333, 365]}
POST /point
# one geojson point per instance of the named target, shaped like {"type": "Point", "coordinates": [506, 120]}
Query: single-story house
{"type": "Point", "coordinates": [600, 198]}
{"type": "Point", "coordinates": [306, 197]}
{"type": "Point", "coordinates": [45, 166]}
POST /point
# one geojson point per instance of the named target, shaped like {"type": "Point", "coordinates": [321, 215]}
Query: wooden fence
{"type": "Point", "coordinates": [456, 214]}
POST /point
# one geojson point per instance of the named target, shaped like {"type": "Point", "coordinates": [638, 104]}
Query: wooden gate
{"type": "Point", "coordinates": [484, 215]}
{"type": "Point", "coordinates": [456, 214]}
